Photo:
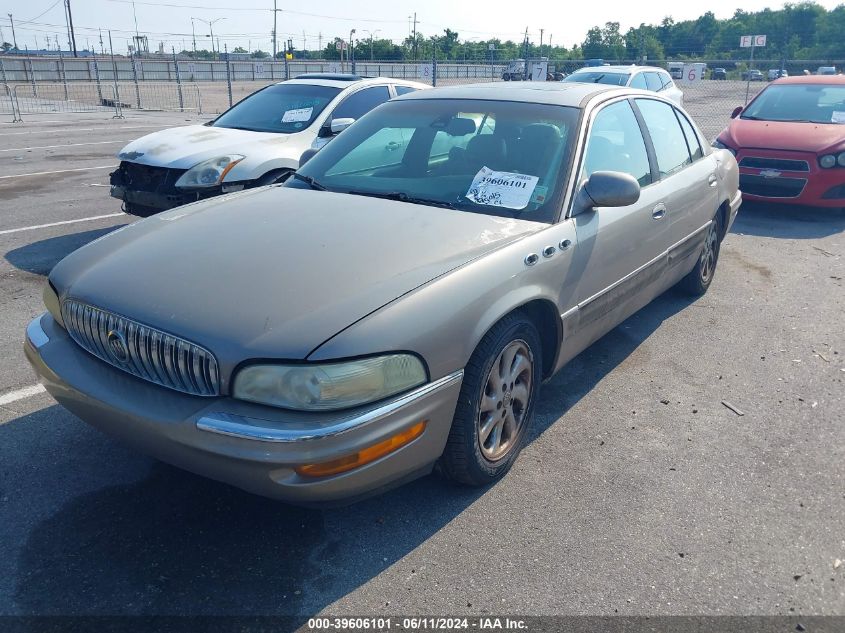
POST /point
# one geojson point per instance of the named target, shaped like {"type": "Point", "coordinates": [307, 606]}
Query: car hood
{"type": "Point", "coordinates": [801, 137]}
{"type": "Point", "coordinates": [274, 272]}
{"type": "Point", "coordinates": [184, 147]}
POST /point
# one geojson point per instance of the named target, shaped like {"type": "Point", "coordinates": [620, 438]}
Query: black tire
{"type": "Point", "coordinates": [274, 177]}
{"type": "Point", "coordinates": [506, 77]}
{"type": "Point", "coordinates": [463, 460]}
{"type": "Point", "coordinates": [701, 276]}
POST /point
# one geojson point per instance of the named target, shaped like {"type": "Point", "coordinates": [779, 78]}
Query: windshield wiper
{"type": "Point", "coordinates": [401, 196]}
{"type": "Point", "coordinates": [309, 180]}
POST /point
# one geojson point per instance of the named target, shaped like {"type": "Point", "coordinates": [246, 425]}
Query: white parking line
{"type": "Point", "coordinates": [20, 394]}
{"type": "Point", "coordinates": [58, 171]}
{"type": "Point", "coordinates": [44, 226]}
{"type": "Point", "coordinates": [23, 149]}
{"type": "Point", "coordinates": [86, 129]}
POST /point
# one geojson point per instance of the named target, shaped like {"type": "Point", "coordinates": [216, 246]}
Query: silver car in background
{"type": "Point", "coordinates": [395, 306]}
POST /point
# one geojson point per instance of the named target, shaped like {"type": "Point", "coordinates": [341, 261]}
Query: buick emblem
{"type": "Point", "coordinates": [117, 346]}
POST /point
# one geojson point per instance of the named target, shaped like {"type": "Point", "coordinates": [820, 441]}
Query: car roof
{"type": "Point", "coordinates": [813, 79]}
{"type": "Point", "coordinates": [573, 94]}
{"type": "Point", "coordinates": [619, 69]}
{"type": "Point", "coordinates": [349, 80]}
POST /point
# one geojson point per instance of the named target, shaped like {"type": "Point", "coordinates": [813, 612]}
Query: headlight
{"type": "Point", "coordinates": [841, 159]}
{"type": "Point", "coordinates": [717, 144]}
{"type": "Point", "coordinates": [329, 386]}
{"type": "Point", "coordinates": [208, 173]}
{"type": "Point", "coordinates": [827, 161]}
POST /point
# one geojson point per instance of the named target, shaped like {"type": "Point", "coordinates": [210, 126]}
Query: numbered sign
{"type": "Point", "coordinates": [425, 71]}
{"type": "Point", "coordinates": [259, 69]}
{"type": "Point", "coordinates": [334, 68]}
{"type": "Point", "coordinates": [693, 73]}
{"type": "Point", "coordinates": [192, 68]}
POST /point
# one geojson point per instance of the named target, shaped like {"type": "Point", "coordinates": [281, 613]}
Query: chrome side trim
{"type": "Point", "coordinates": [254, 429]}
{"type": "Point", "coordinates": [35, 333]}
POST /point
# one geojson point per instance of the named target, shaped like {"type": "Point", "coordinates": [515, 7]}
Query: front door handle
{"type": "Point", "coordinates": [659, 211]}
{"type": "Point", "coordinates": [712, 180]}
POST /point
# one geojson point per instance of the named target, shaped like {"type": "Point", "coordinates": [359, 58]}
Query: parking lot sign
{"type": "Point", "coordinates": [752, 41]}
{"type": "Point", "coordinates": [693, 73]}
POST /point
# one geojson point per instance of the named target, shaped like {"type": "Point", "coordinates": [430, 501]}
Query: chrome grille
{"type": "Point", "coordinates": [142, 351]}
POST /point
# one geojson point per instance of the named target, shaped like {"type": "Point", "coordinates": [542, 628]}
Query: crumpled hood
{"type": "Point", "coordinates": [184, 147]}
{"type": "Point", "coordinates": [275, 272]}
{"type": "Point", "coordinates": [800, 137]}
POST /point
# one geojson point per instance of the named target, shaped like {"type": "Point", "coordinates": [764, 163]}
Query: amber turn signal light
{"type": "Point", "coordinates": [364, 456]}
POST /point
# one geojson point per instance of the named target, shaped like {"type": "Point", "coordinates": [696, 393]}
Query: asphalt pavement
{"type": "Point", "coordinates": [640, 492]}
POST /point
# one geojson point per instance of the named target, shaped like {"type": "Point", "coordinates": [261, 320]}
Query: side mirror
{"type": "Point", "coordinates": [338, 125]}
{"type": "Point", "coordinates": [606, 189]}
{"type": "Point", "coordinates": [307, 155]}
{"type": "Point", "coordinates": [737, 111]}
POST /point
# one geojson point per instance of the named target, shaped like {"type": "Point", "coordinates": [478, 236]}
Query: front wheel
{"type": "Point", "coordinates": [699, 278]}
{"type": "Point", "coordinates": [496, 403]}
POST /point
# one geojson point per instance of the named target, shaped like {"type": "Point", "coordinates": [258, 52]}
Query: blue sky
{"type": "Point", "coordinates": [249, 22]}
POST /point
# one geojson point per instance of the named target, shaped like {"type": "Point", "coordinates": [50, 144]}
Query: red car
{"type": "Point", "coordinates": [790, 142]}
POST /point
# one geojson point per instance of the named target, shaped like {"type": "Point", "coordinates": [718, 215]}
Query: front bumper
{"type": "Point", "coordinates": [810, 186]}
{"type": "Point", "coordinates": [253, 447]}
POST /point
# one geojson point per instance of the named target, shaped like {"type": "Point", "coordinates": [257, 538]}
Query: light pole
{"type": "Point", "coordinates": [211, 31]}
{"type": "Point", "coordinates": [194, 36]}
{"type": "Point", "coordinates": [371, 33]}
{"type": "Point", "coordinates": [351, 51]}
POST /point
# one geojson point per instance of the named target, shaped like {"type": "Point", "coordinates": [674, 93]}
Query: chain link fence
{"type": "Point", "coordinates": [170, 83]}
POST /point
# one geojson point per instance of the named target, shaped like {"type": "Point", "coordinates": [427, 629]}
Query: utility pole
{"type": "Point", "coordinates": [137, 37]}
{"type": "Point", "coordinates": [275, 11]}
{"type": "Point", "coordinates": [320, 43]}
{"type": "Point", "coordinates": [415, 36]}
{"type": "Point", "coordinates": [303, 43]}
{"type": "Point", "coordinates": [70, 23]}
{"type": "Point", "coordinates": [194, 36]}
{"type": "Point", "coordinates": [14, 39]}
{"type": "Point", "coordinates": [541, 42]}
{"type": "Point", "coordinates": [102, 47]}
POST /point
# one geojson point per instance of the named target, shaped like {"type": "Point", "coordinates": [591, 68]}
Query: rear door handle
{"type": "Point", "coordinates": [659, 211]}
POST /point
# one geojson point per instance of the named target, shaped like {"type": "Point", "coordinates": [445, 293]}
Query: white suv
{"type": "Point", "coordinates": [642, 77]}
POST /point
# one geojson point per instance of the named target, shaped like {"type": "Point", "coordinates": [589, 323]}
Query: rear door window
{"type": "Point", "coordinates": [692, 138]}
{"type": "Point", "coordinates": [403, 90]}
{"type": "Point", "coordinates": [639, 82]}
{"type": "Point", "coordinates": [670, 144]}
{"type": "Point", "coordinates": [653, 81]}
{"type": "Point", "coordinates": [358, 104]}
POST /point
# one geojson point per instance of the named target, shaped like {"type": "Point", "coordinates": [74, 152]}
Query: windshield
{"type": "Point", "coordinates": [816, 103]}
{"type": "Point", "coordinates": [283, 108]}
{"type": "Point", "coordinates": [493, 157]}
{"type": "Point", "coordinates": [599, 77]}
